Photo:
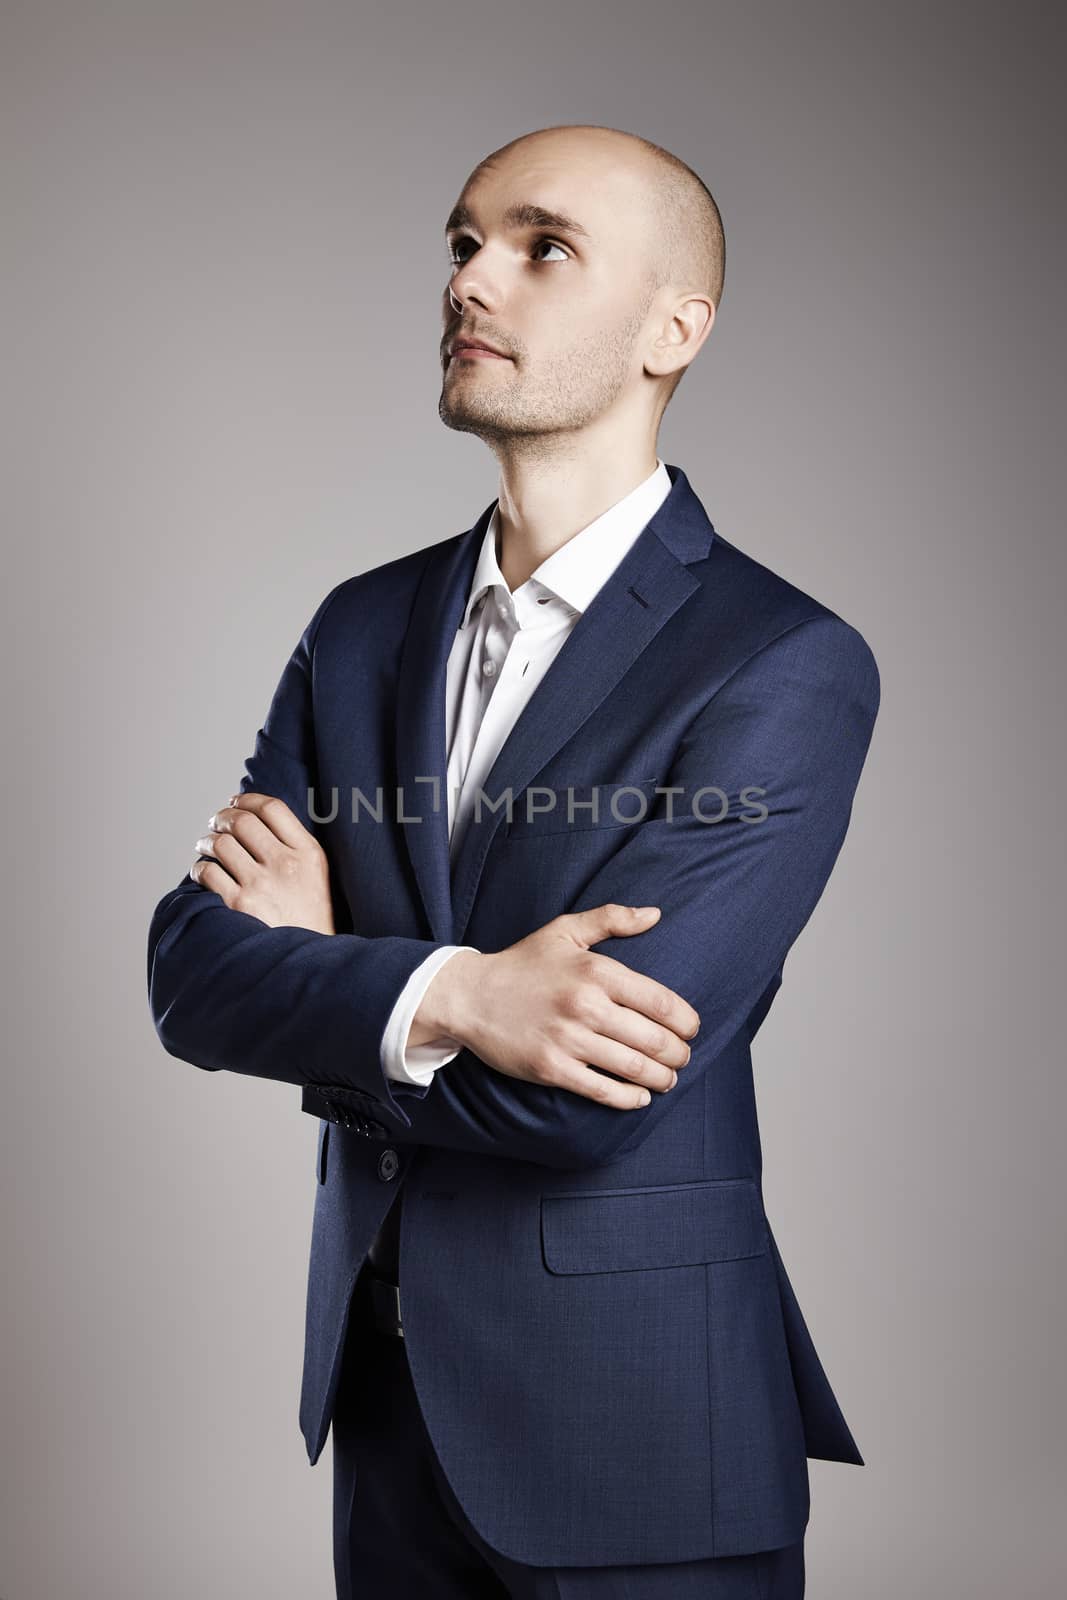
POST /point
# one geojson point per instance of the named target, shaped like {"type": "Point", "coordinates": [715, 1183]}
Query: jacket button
{"type": "Point", "coordinates": [388, 1165]}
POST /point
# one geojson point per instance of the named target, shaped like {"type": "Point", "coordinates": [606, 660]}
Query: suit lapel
{"type": "Point", "coordinates": [420, 717]}
{"type": "Point", "coordinates": [639, 598]}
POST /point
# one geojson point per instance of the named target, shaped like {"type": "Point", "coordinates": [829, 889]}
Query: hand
{"type": "Point", "coordinates": [549, 1010]}
{"type": "Point", "coordinates": [266, 863]}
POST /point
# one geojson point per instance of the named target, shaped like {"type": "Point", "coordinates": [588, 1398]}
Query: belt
{"type": "Point", "coordinates": [383, 1298]}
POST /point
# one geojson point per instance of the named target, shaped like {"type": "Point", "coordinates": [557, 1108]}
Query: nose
{"type": "Point", "coordinates": [470, 286]}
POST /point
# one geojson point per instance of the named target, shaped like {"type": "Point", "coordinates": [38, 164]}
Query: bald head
{"type": "Point", "coordinates": [605, 326]}
{"type": "Point", "coordinates": [684, 239]}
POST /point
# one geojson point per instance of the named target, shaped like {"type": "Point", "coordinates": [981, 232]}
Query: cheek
{"type": "Point", "coordinates": [571, 359]}
{"type": "Point", "coordinates": [599, 341]}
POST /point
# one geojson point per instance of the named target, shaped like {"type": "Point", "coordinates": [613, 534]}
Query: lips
{"type": "Point", "coordinates": [475, 348]}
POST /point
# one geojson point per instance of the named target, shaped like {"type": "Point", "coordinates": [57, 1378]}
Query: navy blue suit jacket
{"type": "Point", "coordinates": [610, 1358]}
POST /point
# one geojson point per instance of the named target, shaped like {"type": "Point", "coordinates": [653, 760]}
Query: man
{"type": "Point", "coordinates": [546, 1313]}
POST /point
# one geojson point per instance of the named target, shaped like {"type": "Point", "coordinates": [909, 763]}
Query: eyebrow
{"type": "Point", "coordinates": [521, 215]}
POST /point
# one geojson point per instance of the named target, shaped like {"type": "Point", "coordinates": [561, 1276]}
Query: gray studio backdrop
{"type": "Point", "coordinates": [223, 259]}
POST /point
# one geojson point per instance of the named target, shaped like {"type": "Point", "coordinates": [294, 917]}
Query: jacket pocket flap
{"type": "Point", "coordinates": [623, 1230]}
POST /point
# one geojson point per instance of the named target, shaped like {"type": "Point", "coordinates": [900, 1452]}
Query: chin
{"type": "Point", "coordinates": [460, 421]}
{"type": "Point", "coordinates": [464, 418]}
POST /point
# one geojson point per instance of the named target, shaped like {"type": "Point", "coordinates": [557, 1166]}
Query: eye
{"type": "Point", "coordinates": [453, 254]}
{"type": "Point", "coordinates": [458, 261]}
{"type": "Point", "coordinates": [554, 245]}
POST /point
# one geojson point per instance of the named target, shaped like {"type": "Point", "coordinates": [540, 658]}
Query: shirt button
{"type": "Point", "coordinates": [489, 668]}
{"type": "Point", "coordinates": [388, 1165]}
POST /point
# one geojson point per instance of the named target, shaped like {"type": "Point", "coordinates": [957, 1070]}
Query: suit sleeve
{"type": "Point", "coordinates": [787, 734]}
{"type": "Point", "coordinates": [227, 992]}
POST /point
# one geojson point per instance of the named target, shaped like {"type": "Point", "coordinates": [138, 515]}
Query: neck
{"type": "Point", "coordinates": [545, 501]}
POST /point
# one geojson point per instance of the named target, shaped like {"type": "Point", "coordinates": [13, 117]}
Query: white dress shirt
{"type": "Point", "coordinates": [502, 649]}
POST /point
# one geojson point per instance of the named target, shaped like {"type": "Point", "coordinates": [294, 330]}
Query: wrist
{"type": "Point", "coordinates": [445, 1011]}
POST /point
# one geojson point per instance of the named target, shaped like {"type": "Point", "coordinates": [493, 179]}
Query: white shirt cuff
{"type": "Point", "coordinates": [417, 1063]}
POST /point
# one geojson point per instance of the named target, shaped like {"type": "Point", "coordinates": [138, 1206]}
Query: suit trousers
{"type": "Point", "coordinates": [399, 1531]}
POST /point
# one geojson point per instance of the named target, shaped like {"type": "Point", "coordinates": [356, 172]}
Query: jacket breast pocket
{"type": "Point", "coordinates": [677, 1225]}
{"type": "Point", "coordinates": [542, 809]}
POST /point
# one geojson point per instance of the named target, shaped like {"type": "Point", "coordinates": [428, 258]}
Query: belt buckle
{"type": "Point", "coordinates": [385, 1297]}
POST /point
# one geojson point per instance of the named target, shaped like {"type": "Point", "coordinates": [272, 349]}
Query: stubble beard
{"type": "Point", "coordinates": [580, 388]}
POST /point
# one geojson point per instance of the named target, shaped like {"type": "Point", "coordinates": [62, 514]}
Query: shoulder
{"type": "Point", "coordinates": [755, 607]}
{"type": "Point", "coordinates": [382, 593]}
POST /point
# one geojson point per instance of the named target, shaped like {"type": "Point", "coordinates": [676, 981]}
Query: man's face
{"type": "Point", "coordinates": [565, 308]}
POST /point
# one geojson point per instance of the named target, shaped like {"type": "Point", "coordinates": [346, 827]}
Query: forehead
{"type": "Point", "coordinates": [579, 191]}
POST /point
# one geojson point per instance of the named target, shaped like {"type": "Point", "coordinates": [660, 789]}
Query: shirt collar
{"type": "Point", "coordinates": [578, 569]}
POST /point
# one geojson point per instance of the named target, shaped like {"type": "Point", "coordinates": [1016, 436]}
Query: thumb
{"type": "Point", "coordinates": [603, 922]}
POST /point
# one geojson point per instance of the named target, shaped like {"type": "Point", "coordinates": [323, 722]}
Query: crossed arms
{"type": "Point", "coordinates": [307, 1007]}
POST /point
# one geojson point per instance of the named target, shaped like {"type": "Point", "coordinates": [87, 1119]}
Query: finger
{"type": "Point", "coordinates": [230, 854]}
{"type": "Point", "coordinates": [623, 1061]}
{"type": "Point", "coordinates": [277, 816]}
{"type": "Point", "coordinates": [650, 998]}
{"type": "Point", "coordinates": [260, 841]}
{"type": "Point", "coordinates": [209, 875]}
{"type": "Point", "coordinates": [591, 1085]}
{"type": "Point", "coordinates": [602, 922]}
{"type": "Point", "coordinates": [635, 1031]}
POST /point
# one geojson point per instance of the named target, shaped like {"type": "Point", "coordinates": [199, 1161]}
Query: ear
{"type": "Point", "coordinates": [688, 324]}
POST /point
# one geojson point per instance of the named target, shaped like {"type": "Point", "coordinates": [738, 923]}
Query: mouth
{"type": "Point", "coordinates": [472, 350]}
